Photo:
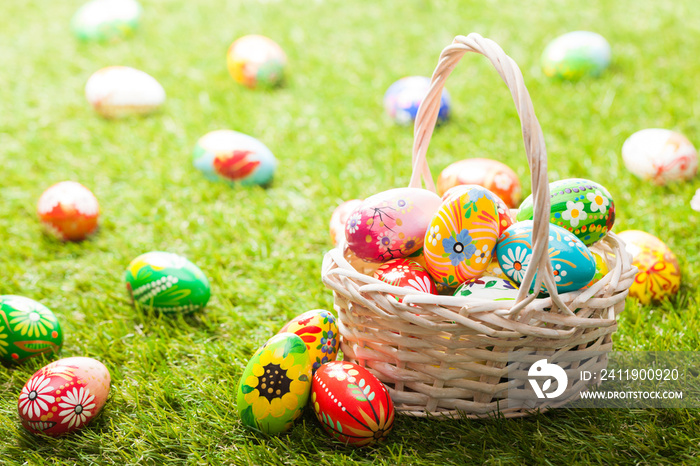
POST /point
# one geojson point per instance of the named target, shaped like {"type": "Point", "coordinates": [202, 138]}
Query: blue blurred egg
{"type": "Point", "coordinates": [402, 99]}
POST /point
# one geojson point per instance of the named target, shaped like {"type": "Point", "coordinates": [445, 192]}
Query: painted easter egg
{"type": "Point", "coordinates": [167, 282]}
{"type": "Point", "coordinates": [233, 157]}
{"type": "Point", "coordinates": [493, 175]}
{"type": "Point", "coordinates": [461, 237]}
{"type": "Point", "coordinates": [256, 61]}
{"type": "Point", "coordinates": [660, 155]}
{"type": "Point", "coordinates": [583, 207]}
{"type": "Point", "coordinates": [69, 211]}
{"type": "Point", "coordinates": [64, 396]}
{"type": "Point", "coordinates": [402, 99]}
{"type": "Point", "coordinates": [27, 329]}
{"type": "Point", "coordinates": [391, 224]}
{"type": "Point", "coordinates": [494, 269]}
{"type": "Point", "coordinates": [119, 91]}
{"type": "Point", "coordinates": [601, 269]}
{"type": "Point", "coordinates": [319, 331]}
{"type": "Point", "coordinates": [339, 219]}
{"type": "Point", "coordinates": [105, 20]}
{"type": "Point", "coordinates": [406, 273]}
{"type": "Point", "coordinates": [575, 55]}
{"type": "Point", "coordinates": [659, 275]}
{"type": "Point", "coordinates": [505, 219]}
{"type": "Point", "coordinates": [489, 288]}
{"type": "Point", "coordinates": [275, 385]}
{"type": "Point", "coordinates": [572, 262]}
{"type": "Point", "coordinates": [351, 404]}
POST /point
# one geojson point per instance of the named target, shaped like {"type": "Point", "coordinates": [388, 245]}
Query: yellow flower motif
{"type": "Point", "coordinates": [276, 384]}
{"type": "Point", "coordinates": [34, 323]}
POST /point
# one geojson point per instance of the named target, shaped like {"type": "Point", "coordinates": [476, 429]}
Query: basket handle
{"type": "Point", "coordinates": [534, 148]}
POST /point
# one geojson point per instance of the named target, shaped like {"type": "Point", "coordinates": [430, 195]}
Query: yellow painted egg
{"type": "Point", "coordinates": [601, 269]}
{"type": "Point", "coordinates": [319, 331]}
{"type": "Point", "coordinates": [659, 275]}
{"type": "Point", "coordinates": [461, 237]}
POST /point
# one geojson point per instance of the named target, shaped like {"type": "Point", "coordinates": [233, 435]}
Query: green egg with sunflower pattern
{"type": "Point", "coordinates": [168, 282]}
{"type": "Point", "coordinates": [27, 329]}
{"type": "Point", "coordinates": [275, 385]}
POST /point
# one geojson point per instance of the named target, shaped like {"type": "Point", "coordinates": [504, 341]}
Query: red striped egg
{"type": "Point", "coordinates": [351, 404]}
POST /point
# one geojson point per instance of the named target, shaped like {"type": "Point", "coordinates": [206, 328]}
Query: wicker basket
{"type": "Point", "coordinates": [449, 356]}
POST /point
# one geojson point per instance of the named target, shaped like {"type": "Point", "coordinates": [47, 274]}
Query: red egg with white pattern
{"type": "Point", "coordinates": [351, 404]}
{"type": "Point", "coordinates": [340, 217]}
{"type": "Point", "coordinates": [406, 273]}
{"type": "Point", "coordinates": [69, 211]}
{"type": "Point", "coordinates": [64, 396]}
{"type": "Point", "coordinates": [493, 175]}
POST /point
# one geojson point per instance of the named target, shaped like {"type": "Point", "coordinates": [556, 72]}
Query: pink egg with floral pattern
{"type": "Point", "coordinates": [407, 274]}
{"type": "Point", "coordinates": [391, 224]}
{"type": "Point", "coordinates": [340, 218]}
{"type": "Point", "coordinates": [64, 396]}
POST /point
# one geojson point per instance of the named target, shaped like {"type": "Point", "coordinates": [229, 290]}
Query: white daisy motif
{"type": "Point", "coordinates": [598, 201]}
{"type": "Point", "coordinates": [482, 255]}
{"type": "Point", "coordinates": [558, 273]}
{"type": "Point", "coordinates": [514, 263]}
{"type": "Point", "coordinates": [34, 396]}
{"type": "Point", "coordinates": [77, 405]}
{"type": "Point", "coordinates": [574, 213]}
{"type": "Point", "coordinates": [353, 222]}
{"type": "Point", "coordinates": [434, 235]}
{"type": "Point", "coordinates": [502, 181]}
{"type": "Point", "coordinates": [420, 284]}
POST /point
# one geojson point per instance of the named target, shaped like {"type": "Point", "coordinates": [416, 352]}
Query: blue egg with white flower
{"type": "Point", "coordinates": [572, 262]}
{"type": "Point", "coordinates": [402, 99]}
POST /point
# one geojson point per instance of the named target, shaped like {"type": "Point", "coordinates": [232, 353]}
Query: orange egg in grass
{"type": "Point", "coordinates": [493, 175]}
{"type": "Point", "coordinates": [69, 211]}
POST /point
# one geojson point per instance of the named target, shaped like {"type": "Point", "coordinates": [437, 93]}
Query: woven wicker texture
{"type": "Point", "coordinates": [449, 356]}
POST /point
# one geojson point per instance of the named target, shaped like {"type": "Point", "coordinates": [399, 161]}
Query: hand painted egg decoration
{"type": "Point", "coordinates": [167, 282]}
{"type": "Point", "coordinates": [27, 329]}
{"type": "Point", "coordinates": [493, 175]}
{"type": "Point", "coordinates": [572, 262]}
{"type": "Point", "coordinates": [575, 55]}
{"type": "Point", "coordinates": [119, 91]}
{"type": "Point", "coordinates": [660, 155]}
{"type": "Point", "coordinates": [105, 20]}
{"type": "Point", "coordinates": [659, 275]}
{"type": "Point", "coordinates": [391, 224]}
{"type": "Point", "coordinates": [319, 332]}
{"type": "Point", "coordinates": [601, 269]}
{"type": "Point", "coordinates": [406, 273]}
{"type": "Point", "coordinates": [351, 404]}
{"type": "Point", "coordinates": [402, 99]}
{"type": "Point", "coordinates": [64, 396]}
{"type": "Point", "coordinates": [256, 61]}
{"type": "Point", "coordinates": [340, 218]}
{"type": "Point", "coordinates": [505, 219]}
{"type": "Point", "coordinates": [489, 288]}
{"type": "Point", "coordinates": [69, 211]}
{"type": "Point", "coordinates": [581, 206]}
{"type": "Point", "coordinates": [233, 157]}
{"type": "Point", "coordinates": [275, 385]}
{"type": "Point", "coordinates": [461, 237]}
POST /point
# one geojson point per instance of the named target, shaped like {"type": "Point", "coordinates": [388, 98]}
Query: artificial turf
{"type": "Point", "coordinates": [174, 379]}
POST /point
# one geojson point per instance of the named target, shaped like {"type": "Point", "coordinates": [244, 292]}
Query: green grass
{"type": "Point", "coordinates": [173, 391]}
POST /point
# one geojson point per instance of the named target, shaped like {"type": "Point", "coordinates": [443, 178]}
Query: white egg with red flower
{"type": "Point", "coordinates": [64, 396]}
{"type": "Point", "coordinates": [391, 224]}
{"type": "Point", "coordinates": [660, 155]}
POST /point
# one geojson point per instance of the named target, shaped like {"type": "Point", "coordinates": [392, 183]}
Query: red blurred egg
{"type": "Point", "coordinates": [495, 176]}
{"type": "Point", "coordinates": [353, 406]}
{"type": "Point", "coordinates": [69, 211]}
{"type": "Point", "coordinates": [505, 219]}
{"type": "Point", "coordinates": [339, 219]}
{"type": "Point", "coordinates": [63, 396]}
{"type": "Point", "coordinates": [406, 273]}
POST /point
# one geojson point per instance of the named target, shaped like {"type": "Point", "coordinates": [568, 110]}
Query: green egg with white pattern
{"type": "Point", "coordinates": [275, 385]}
{"type": "Point", "coordinates": [27, 329]}
{"type": "Point", "coordinates": [583, 207]}
{"type": "Point", "coordinates": [167, 282]}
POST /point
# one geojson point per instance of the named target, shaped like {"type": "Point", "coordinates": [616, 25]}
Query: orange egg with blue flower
{"type": "Point", "coordinates": [275, 385]}
{"type": "Point", "coordinates": [319, 331]}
